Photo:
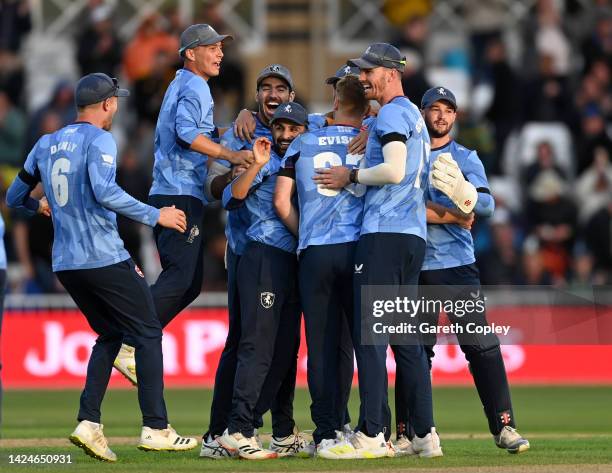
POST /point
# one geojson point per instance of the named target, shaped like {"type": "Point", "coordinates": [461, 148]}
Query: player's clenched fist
{"type": "Point", "coordinates": [173, 218]}
{"type": "Point", "coordinates": [448, 178]}
{"type": "Point", "coordinates": [43, 207]}
{"type": "Point", "coordinates": [261, 150]}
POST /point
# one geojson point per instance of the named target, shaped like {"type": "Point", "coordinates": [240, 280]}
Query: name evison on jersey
{"type": "Point", "coordinates": [327, 216]}
{"type": "Point", "coordinates": [449, 245]}
{"type": "Point", "coordinates": [398, 208]}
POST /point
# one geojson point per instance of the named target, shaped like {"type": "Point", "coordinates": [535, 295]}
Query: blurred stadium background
{"type": "Point", "coordinates": [532, 78]}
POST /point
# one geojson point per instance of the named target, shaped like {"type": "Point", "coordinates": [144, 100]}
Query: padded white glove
{"type": "Point", "coordinates": [448, 178]}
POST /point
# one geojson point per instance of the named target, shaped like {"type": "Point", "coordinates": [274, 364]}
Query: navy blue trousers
{"type": "Point", "coordinates": [180, 254]}
{"type": "Point", "coordinates": [390, 259]}
{"type": "Point", "coordinates": [326, 290]}
{"type": "Point", "coordinates": [270, 336]}
{"type": "Point", "coordinates": [280, 403]}
{"type": "Point", "coordinates": [117, 302]}
{"type": "Point", "coordinates": [481, 351]}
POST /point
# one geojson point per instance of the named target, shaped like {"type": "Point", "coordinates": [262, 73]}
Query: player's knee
{"type": "Point", "coordinates": [478, 352]}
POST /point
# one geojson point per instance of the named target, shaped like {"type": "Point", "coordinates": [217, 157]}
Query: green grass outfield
{"type": "Point", "coordinates": [570, 427]}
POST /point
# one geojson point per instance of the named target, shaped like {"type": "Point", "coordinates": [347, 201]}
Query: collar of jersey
{"type": "Point", "coordinates": [442, 147]}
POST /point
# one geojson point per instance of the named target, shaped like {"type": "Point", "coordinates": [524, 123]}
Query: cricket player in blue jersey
{"type": "Point", "coordinates": [274, 87]}
{"type": "Point", "coordinates": [267, 278]}
{"type": "Point", "coordinates": [458, 190]}
{"type": "Point", "coordinates": [77, 167]}
{"type": "Point", "coordinates": [390, 252]}
{"type": "Point", "coordinates": [329, 224]}
{"type": "Point", "coordinates": [183, 144]}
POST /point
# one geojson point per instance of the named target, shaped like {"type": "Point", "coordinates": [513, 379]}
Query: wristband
{"type": "Point", "coordinates": [353, 177]}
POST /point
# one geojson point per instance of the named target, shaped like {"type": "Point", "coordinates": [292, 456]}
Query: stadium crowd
{"type": "Point", "coordinates": [542, 129]}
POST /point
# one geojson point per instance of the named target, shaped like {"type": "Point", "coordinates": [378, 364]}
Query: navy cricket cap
{"type": "Point", "coordinates": [291, 111]}
{"type": "Point", "coordinates": [276, 70]}
{"type": "Point", "coordinates": [96, 87]}
{"type": "Point", "coordinates": [380, 55]}
{"type": "Point", "coordinates": [200, 34]}
{"type": "Point", "coordinates": [344, 71]}
{"type": "Point", "coordinates": [436, 94]}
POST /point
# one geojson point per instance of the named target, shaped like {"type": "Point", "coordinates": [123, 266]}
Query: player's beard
{"type": "Point", "coordinates": [437, 132]}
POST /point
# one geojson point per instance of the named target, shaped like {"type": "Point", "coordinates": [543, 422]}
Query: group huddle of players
{"type": "Point", "coordinates": [319, 207]}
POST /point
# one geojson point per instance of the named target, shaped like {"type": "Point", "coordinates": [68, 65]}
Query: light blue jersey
{"type": "Point", "coordinates": [449, 245]}
{"type": "Point", "coordinates": [265, 226]}
{"type": "Point", "coordinates": [77, 166]}
{"type": "Point", "coordinates": [238, 219]}
{"type": "Point", "coordinates": [398, 208]}
{"type": "Point", "coordinates": [326, 216]}
{"type": "Point", "coordinates": [316, 121]}
{"type": "Point", "coordinates": [2, 249]}
{"type": "Point", "coordinates": [186, 112]}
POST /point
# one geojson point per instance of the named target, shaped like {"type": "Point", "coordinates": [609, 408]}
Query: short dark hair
{"type": "Point", "coordinates": [351, 95]}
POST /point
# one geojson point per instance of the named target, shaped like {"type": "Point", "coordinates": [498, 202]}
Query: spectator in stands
{"type": "Point", "coordinates": [598, 45]}
{"type": "Point", "coordinates": [552, 218]}
{"type": "Point", "coordinates": [15, 23]}
{"type": "Point", "coordinates": [99, 49]}
{"type": "Point", "coordinates": [505, 109]}
{"type": "Point", "coordinates": [593, 135]}
{"type": "Point", "coordinates": [12, 132]}
{"type": "Point", "coordinates": [548, 97]}
{"type": "Point", "coordinates": [499, 264]}
{"type": "Point", "coordinates": [544, 162]}
{"type": "Point", "coordinates": [148, 92]}
{"type": "Point", "coordinates": [411, 42]}
{"type": "Point", "coordinates": [598, 237]}
{"type": "Point", "coordinates": [140, 54]}
{"type": "Point", "coordinates": [594, 186]}
{"type": "Point", "coordinates": [533, 270]}
{"type": "Point", "coordinates": [135, 180]}
{"type": "Point", "coordinates": [60, 105]}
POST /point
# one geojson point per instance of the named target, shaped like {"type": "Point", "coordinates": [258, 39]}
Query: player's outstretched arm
{"type": "Point", "coordinates": [213, 150]}
{"type": "Point", "coordinates": [283, 203]}
{"type": "Point", "coordinates": [242, 184]}
{"type": "Point", "coordinates": [173, 218]}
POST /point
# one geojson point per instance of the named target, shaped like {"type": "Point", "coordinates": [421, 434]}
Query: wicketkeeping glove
{"type": "Point", "coordinates": [448, 178]}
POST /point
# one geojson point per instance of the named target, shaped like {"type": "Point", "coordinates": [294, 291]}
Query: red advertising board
{"type": "Point", "coordinates": [50, 349]}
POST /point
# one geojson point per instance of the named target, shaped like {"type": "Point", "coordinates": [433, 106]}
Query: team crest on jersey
{"type": "Point", "coordinates": [193, 234]}
{"type": "Point", "coordinates": [138, 271]}
{"type": "Point", "coordinates": [266, 299]}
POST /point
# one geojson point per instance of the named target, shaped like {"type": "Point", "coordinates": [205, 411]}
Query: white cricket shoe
{"type": "Point", "coordinates": [428, 446]}
{"type": "Point", "coordinates": [245, 447]}
{"type": "Point", "coordinates": [125, 363]}
{"type": "Point", "coordinates": [358, 446]}
{"type": "Point", "coordinates": [165, 440]}
{"type": "Point", "coordinates": [90, 437]}
{"type": "Point", "coordinates": [511, 440]}
{"type": "Point", "coordinates": [213, 449]}
{"type": "Point", "coordinates": [403, 446]}
{"type": "Point", "coordinates": [293, 445]}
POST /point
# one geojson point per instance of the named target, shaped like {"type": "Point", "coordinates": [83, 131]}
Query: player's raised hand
{"type": "Point", "coordinates": [261, 150]}
{"type": "Point", "coordinates": [173, 218]}
{"type": "Point", "coordinates": [335, 177]}
{"type": "Point", "coordinates": [244, 126]}
{"type": "Point", "coordinates": [358, 144]}
{"type": "Point", "coordinates": [43, 207]}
